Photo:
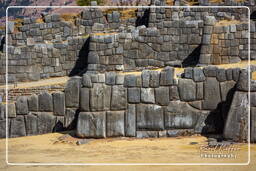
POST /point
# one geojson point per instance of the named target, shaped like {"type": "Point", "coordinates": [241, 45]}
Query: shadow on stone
{"type": "Point", "coordinates": [82, 62]}
{"type": "Point", "coordinates": [2, 42]}
{"type": "Point", "coordinates": [215, 121]}
{"type": "Point", "coordinates": [253, 15]}
{"type": "Point", "coordinates": [143, 20]}
{"type": "Point", "coordinates": [193, 58]}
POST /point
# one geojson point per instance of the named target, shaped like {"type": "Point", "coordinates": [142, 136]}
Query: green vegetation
{"type": "Point", "coordinates": [87, 2]}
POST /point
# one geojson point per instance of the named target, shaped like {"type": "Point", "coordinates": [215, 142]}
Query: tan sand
{"type": "Point", "coordinates": [48, 148]}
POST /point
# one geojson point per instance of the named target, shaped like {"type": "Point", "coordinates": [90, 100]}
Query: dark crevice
{"type": "Point", "coordinates": [253, 15]}
{"type": "Point", "coordinates": [193, 58]}
{"type": "Point", "coordinates": [82, 62]}
{"type": "Point", "coordinates": [2, 42]}
{"type": "Point", "coordinates": [143, 20]}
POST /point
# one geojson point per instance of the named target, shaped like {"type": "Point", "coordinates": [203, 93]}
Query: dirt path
{"type": "Point", "coordinates": [47, 148]}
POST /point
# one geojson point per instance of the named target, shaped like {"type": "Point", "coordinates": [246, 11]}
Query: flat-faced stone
{"type": "Point", "coordinates": [100, 96]}
{"type": "Point", "coordinates": [147, 95]}
{"type": "Point", "coordinates": [33, 103]}
{"type": "Point", "coordinates": [115, 123]}
{"type": "Point", "coordinates": [85, 99]}
{"type": "Point", "coordinates": [17, 127]}
{"type": "Point", "coordinates": [187, 89]}
{"type": "Point", "coordinates": [45, 122]}
{"type": "Point", "coordinates": [166, 76]}
{"type": "Point", "coordinates": [22, 105]}
{"type": "Point", "coordinates": [162, 96]}
{"type": "Point", "coordinates": [72, 92]}
{"type": "Point", "coordinates": [45, 102]}
{"type": "Point", "coordinates": [133, 95]}
{"type": "Point", "coordinates": [31, 124]}
{"type": "Point", "coordinates": [130, 121]}
{"type": "Point", "coordinates": [58, 103]}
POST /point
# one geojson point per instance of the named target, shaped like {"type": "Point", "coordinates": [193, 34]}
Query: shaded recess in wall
{"type": "Point", "coordinates": [215, 122]}
{"type": "Point", "coordinates": [143, 20]}
{"type": "Point", "coordinates": [2, 42]}
{"type": "Point", "coordinates": [253, 15]}
{"type": "Point", "coordinates": [193, 58]}
{"type": "Point", "coordinates": [82, 62]}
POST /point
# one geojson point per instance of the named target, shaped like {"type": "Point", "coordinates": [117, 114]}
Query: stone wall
{"type": "Point", "coordinates": [151, 103]}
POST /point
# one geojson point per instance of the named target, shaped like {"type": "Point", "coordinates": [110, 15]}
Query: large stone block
{"type": "Point", "coordinates": [91, 125]}
{"type": "Point", "coordinates": [166, 76]}
{"type": "Point", "coordinates": [227, 89]}
{"type": "Point", "coordinates": [253, 124]}
{"type": "Point", "coordinates": [133, 95]}
{"type": "Point", "coordinates": [86, 80]}
{"type": "Point", "coordinates": [145, 78]}
{"type": "Point", "coordinates": [162, 96]}
{"type": "Point", "coordinates": [118, 98]}
{"type": "Point", "coordinates": [11, 110]}
{"type": "Point", "coordinates": [130, 80]}
{"type": "Point", "coordinates": [3, 128]}
{"type": "Point", "coordinates": [130, 121]}
{"type": "Point", "coordinates": [17, 127]}
{"type": "Point", "coordinates": [85, 99]}
{"type": "Point", "coordinates": [147, 134]}
{"type": "Point", "coordinates": [174, 93]}
{"type": "Point", "coordinates": [154, 79]}
{"type": "Point", "coordinates": [147, 95]}
{"type": "Point", "coordinates": [72, 92]}
{"type": "Point", "coordinates": [187, 89]}
{"type": "Point", "coordinates": [22, 105]}
{"type": "Point", "coordinates": [31, 124]}
{"type": "Point", "coordinates": [180, 115]}
{"type": "Point", "coordinates": [211, 93]}
{"type": "Point", "coordinates": [58, 103]}
{"type": "Point", "coordinates": [236, 126]}
{"type": "Point", "coordinates": [70, 118]}
{"type": "Point", "coordinates": [150, 117]}
{"type": "Point", "coordinates": [33, 103]}
{"type": "Point", "coordinates": [115, 123]}
{"type": "Point", "coordinates": [45, 102]}
{"type": "Point", "coordinates": [45, 122]}
{"type": "Point", "coordinates": [100, 96]}
{"type": "Point", "coordinates": [198, 75]}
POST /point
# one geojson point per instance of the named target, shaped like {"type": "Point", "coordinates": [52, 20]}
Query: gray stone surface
{"type": "Point", "coordinates": [17, 127]}
{"type": "Point", "coordinates": [237, 120]}
{"type": "Point", "coordinates": [221, 75]}
{"type": "Point", "coordinates": [100, 97]}
{"type": "Point", "coordinates": [58, 103]}
{"type": "Point", "coordinates": [180, 115]}
{"type": "Point", "coordinates": [110, 78]}
{"type": "Point", "coordinates": [227, 89]}
{"type": "Point", "coordinates": [72, 91]}
{"type": "Point", "coordinates": [130, 80]}
{"type": "Point", "coordinates": [211, 93]}
{"type": "Point", "coordinates": [147, 134]}
{"type": "Point", "coordinates": [91, 125]}
{"type": "Point", "coordinates": [174, 93]}
{"type": "Point", "coordinates": [22, 105]}
{"type": "Point", "coordinates": [198, 75]}
{"type": "Point", "coordinates": [45, 102]}
{"type": "Point", "coordinates": [162, 96]}
{"type": "Point", "coordinates": [118, 98]}
{"type": "Point", "coordinates": [130, 121]}
{"type": "Point", "coordinates": [180, 132]}
{"type": "Point", "coordinates": [145, 75]}
{"type": "Point", "coordinates": [133, 95]}
{"type": "Point", "coordinates": [150, 117]}
{"type": "Point", "coordinates": [199, 90]}
{"type": "Point", "coordinates": [147, 95]}
{"type": "Point", "coordinates": [154, 79]}
{"type": "Point", "coordinates": [253, 124]}
{"type": "Point", "coordinates": [210, 71]}
{"type": "Point", "coordinates": [11, 110]}
{"type": "Point", "coordinates": [166, 76]}
{"type": "Point", "coordinates": [187, 89]}
{"type": "Point", "coordinates": [85, 99]}
{"type": "Point", "coordinates": [70, 118]}
{"type": "Point", "coordinates": [115, 123]}
{"type": "Point", "coordinates": [31, 124]}
{"type": "Point", "coordinates": [45, 122]}
{"type": "Point", "coordinates": [86, 81]}
{"type": "Point", "coordinates": [3, 128]}
{"type": "Point", "coordinates": [33, 103]}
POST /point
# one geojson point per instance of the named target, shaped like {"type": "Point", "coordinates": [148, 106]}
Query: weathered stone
{"type": "Point", "coordinates": [11, 110]}
{"type": "Point", "coordinates": [154, 79]}
{"type": "Point", "coordinates": [166, 76]}
{"type": "Point", "coordinates": [45, 122]}
{"type": "Point", "coordinates": [199, 91]}
{"type": "Point", "coordinates": [162, 96]}
{"type": "Point", "coordinates": [196, 104]}
{"type": "Point", "coordinates": [174, 93]}
{"type": "Point", "coordinates": [235, 74]}
{"type": "Point", "coordinates": [237, 119]}
{"type": "Point", "coordinates": [72, 91]}
{"type": "Point", "coordinates": [211, 93]}
{"type": "Point", "coordinates": [187, 89]}
{"type": "Point", "coordinates": [147, 95]}
{"type": "Point", "coordinates": [45, 102]}
{"type": "Point", "coordinates": [253, 124]}
{"type": "Point", "coordinates": [110, 78]}
{"type": "Point", "coordinates": [130, 80]}
{"type": "Point", "coordinates": [31, 124]}
{"type": "Point", "coordinates": [118, 98]}
{"type": "Point", "coordinates": [179, 132]}
{"type": "Point", "coordinates": [209, 20]}
{"type": "Point", "coordinates": [17, 127]}
{"type": "Point", "coordinates": [119, 79]}
{"type": "Point", "coordinates": [229, 74]}
{"type": "Point", "coordinates": [133, 95]}
{"type": "Point", "coordinates": [91, 125]}
{"type": "Point", "coordinates": [58, 103]}
{"type": "Point", "coordinates": [221, 75]}
{"type": "Point", "coordinates": [87, 81]}
{"type": "Point", "coordinates": [115, 123]}
{"type": "Point", "coordinates": [130, 121]}
{"type": "Point", "coordinates": [85, 99]}
{"type": "Point", "coordinates": [70, 118]}
{"type": "Point", "coordinates": [210, 71]}
{"type": "Point", "coordinates": [100, 97]}
{"type": "Point", "coordinates": [150, 117]}
{"type": "Point", "coordinates": [33, 103]}
{"type": "Point", "coordinates": [147, 134]}
{"type": "Point", "coordinates": [3, 128]}
{"type": "Point", "coordinates": [201, 122]}
{"type": "Point", "coordinates": [59, 125]}
{"type": "Point", "coordinates": [180, 115]}
{"type": "Point", "coordinates": [198, 75]}
{"type": "Point", "coordinates": [22, 105]}
{"type": "Point", "coordinates": [145, 78]}
{"type": "Point", "coordinates": [227, 89]}
{"type": "Point", "coordinates": [188, 73]}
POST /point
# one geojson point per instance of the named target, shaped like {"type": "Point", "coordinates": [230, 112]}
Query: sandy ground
{"type": "Point", "coordinates": [54, 148]}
